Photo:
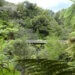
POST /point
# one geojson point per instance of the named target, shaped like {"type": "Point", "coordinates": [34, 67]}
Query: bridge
{"type": "Point", "coordinates": [43, 41]}
{"type": "Point", "coordinates": [36, 41]}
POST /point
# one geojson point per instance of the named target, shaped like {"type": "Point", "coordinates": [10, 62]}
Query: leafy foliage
{"type": "Point", "coordinates": [7, 30]}
{"type": "Point", "coordinates": [55, 47]}
{"type": "Point", "coordinates": [25, 21]}
{"type": "Point", "coordinates": [2, 2]}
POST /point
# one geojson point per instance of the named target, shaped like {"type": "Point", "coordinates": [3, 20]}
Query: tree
{"type": "Point", "coordinates": [27, 10]}
{"type": "Point", "coordinates": [7, 30]}
{"type": "Point", "coordinates": [19, 50]}
{"type": "Point", "coordinates": [41, 24]}
{"type": "Point", "coordinates": [66, 18]}
{"type": "Point", "coordinates": [54, 48]}
{"type": "Point", "coordinates": [73, 1]}
{"type": "Point", "coordinates": [71, 47]}
{"type": "Point", "coordinates": [2, 2]}
{"type": "Point", "coordinates": [39, 20]}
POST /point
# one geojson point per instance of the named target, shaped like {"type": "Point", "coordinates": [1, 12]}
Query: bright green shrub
{"type": "Point", "coordinates": [72, 34]}
{"type": "Point", "coordinates": [55, 47]}
{"type": "Point", "coordinates": [7, 29]}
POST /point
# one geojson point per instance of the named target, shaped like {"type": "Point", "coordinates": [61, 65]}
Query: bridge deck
{"type": "Point", "coordinates": [36, 41]}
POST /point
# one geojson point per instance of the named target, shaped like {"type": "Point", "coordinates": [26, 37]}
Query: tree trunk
{"type": "Point", "coordinates": [23, 72]}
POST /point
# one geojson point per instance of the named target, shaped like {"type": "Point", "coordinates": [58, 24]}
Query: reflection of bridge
{"type": "Point", "coordinates": [45, 67]}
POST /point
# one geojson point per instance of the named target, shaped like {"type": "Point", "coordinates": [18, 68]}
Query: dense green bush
{"type": "Point", "coordinates": [26, 21]}
{"type": "Point", "coordinates": [7, 29]}
{"type": "Point", "coordinates": [55, 47]}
